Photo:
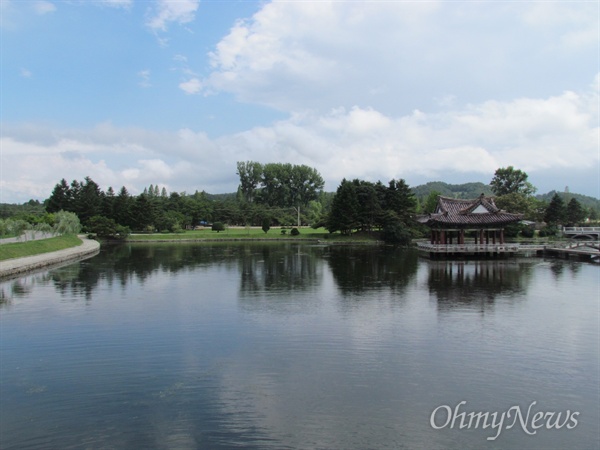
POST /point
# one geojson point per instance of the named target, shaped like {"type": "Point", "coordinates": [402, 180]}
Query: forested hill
{"type": "Point", "coordinates": [585, 200]}
{"type": "Point", "coordinates": [466, 190]}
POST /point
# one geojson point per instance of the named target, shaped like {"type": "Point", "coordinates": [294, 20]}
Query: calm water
{"type": "Point", "coordinates": [297, 346]}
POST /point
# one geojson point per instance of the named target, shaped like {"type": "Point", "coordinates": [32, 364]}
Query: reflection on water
{"type": "Point", "coordinates": [357, 269]}
{"type": "Point", "coordinates": [293, 346]}
{"type": "Point", "coordinates": [478, 282]}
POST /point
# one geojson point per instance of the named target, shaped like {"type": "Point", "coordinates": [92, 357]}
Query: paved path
{"type": "Point", "coordinates": [19, 266]}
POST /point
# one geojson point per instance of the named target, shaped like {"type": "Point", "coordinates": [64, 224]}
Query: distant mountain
{"type": "Point", "coordinates": [473, 190]}
{"type": "Point", "coordinates": [585, 200]}
{"type": "Point", "coordinates": [466, 190]}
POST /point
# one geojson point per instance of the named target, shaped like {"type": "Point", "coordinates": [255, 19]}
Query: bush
{"type": "Point", "coordinates": [396, 234]}
{"type": "Point", "coordinates": [107, 228]}
{"type": "Point", "coordinates": [218, 227]}
{"type": "Point", "coordinates": [294, 232]}
{"type": "Point", "coordinates": [66, 223]}
{"type": "Point", "coordinates": [547, 231]}
{"type": "Point", "coordinates": [527, 232]}
{"type": "Point", "coordinates": [266, 224]}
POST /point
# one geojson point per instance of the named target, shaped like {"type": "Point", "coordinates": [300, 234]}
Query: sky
{"type": "Point", "coordinates": [175, 92]}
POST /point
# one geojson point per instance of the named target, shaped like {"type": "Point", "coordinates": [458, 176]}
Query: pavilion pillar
{"type": "Point", "coordinates": [494, 237]}
{"type": "Point", "coordinates": [461, 236]}
{"type": "Point", "coordinates": [502, 236]}
{"type": "Point", "coordinates": [443, 237]}
{"type": "Point", "coordinates": [487, 237]}
{"type": "Point", "coordinates": [481, 236]}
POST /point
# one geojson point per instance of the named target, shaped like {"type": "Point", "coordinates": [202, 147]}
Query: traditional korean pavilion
{"type": "Point", "coordinates": [454, 219]}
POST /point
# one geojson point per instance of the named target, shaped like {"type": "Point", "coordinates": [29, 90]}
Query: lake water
{"type": "Point", "coordinates": [302, 347]}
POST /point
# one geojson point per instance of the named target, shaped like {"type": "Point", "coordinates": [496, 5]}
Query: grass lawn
{"type": "Point", "coordinates": [251, 233]}
{"type": "Point", "coordinates": [30, 248]}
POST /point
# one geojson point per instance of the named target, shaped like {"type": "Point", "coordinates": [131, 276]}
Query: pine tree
{"type": "Point", "coordinates": [556, 212]}
{"type": "Point", "coordinates": [575, 212]}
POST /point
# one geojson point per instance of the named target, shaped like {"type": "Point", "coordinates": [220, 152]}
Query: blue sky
{"type": "Point", "coordinates": [174, 93]}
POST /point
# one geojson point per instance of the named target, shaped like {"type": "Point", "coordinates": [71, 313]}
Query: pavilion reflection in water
{"type": "Point", "coordinates": [473, 283]}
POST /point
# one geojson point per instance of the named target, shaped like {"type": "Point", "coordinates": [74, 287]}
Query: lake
{"type": "Point", "coordinates": [271, 345]}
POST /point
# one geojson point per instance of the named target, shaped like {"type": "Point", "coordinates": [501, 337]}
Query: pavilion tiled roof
{"type": "Point", "coordinates": [481, 211]}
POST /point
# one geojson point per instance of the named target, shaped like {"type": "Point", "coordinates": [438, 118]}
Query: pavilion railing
{"type": "Point", "coordinates": [473, 248]}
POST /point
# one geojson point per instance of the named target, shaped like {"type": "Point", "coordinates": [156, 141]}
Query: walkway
{"type": "Point", "coordinates": [19, 266]}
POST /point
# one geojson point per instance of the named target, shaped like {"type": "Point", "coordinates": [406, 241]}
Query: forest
{"type": "Point", "coordinates": [281, 194]}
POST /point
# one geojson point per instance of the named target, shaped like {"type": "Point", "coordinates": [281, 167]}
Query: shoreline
{"type": "Point", "coordinates": [19, 266]}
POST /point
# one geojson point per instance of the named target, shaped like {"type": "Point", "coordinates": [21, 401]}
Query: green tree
{"type": "Point", "coordinates": [108, 203]}
{"type": "Point", "coordinates": [218, 227]}
{"type": "Point", "coordinates": [66, 222]}
{"type": "Point", "coordinates": [343, 216]}
{"type": "Point", "coordinates": [107, 228]}
{"type": "Point", "coordinates": [431, 202]}
{"type": "Point", "coordinates": [510, 180]}
{"type": "Point", "coordinates": [556, 213]}
{"type": "Point", "coordinates": [61, 198]}
{"type": "Point", "coordinates": [575, 212]}
{"type": "Point", "coordinates": [87, 199]}
{"type": "Point", "coordinates": [517, 203]}
{"type": "Point", "coordinates": [266, 224]}
{"type": "Point", "coordinates": [250, 173]}
{"type": "Point", "coordinates": [400, 199]}
{"type": "Point", "coordinates": [122, 208]}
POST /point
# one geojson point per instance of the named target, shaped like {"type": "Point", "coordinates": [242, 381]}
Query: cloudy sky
{"type": "Point", "coordinates": [175, 92]}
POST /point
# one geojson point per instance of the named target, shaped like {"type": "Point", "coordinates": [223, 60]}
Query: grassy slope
{"type": "Point", "coordinates": [30, 248]}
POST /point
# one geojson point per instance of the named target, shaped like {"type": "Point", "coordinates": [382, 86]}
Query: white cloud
{"type": "Point", "coordinates": [192, 86]}
{"type": "Point", "coordinates": [399, 56]}
{"type": "Point", "coordinates": [43, 7]}
{"type": "Point", "coordinates": [144, 78]}
{"type": "Point", "coordinates": [545, 137]}
{"type": "Point", "coordinates": [118, 3]}
{"type": "Point", "coordinates": [167, 11]}
{"type": "Point", "coordinates": [26, 73]}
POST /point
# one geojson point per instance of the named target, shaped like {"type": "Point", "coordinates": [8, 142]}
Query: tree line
{"type": "Point", "coordinates": [286, 195]}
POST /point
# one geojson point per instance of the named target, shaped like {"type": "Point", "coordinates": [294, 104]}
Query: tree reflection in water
{"type": "Point", "coordinates": [356, 269]}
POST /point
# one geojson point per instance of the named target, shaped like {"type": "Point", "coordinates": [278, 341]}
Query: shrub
{"type": "Point", "coordinates": [218, 227]}
{"type": "Point", "coordinates": [266, 224]}
{"type": "Point", "coordinates": [396, 234]}
{"type": "Point", "coordinates": [549, 230]}
{"type": "Point", "coordinates": [66, 223]}
{"type": "Point", "coordinates": [527, 232]}
{"type": "Point", "coordinates": [294, 232]}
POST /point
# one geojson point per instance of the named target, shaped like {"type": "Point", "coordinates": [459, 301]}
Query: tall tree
{"type": "Point", "coordinates": [108, 203]}
{"type": "Point", "coordinates": [250, 174]}
{"type": "Point", "coordinates": [431, 202]}
{"type": "Point", "coordinates": [60, 199]}
{"type": "Point", "coordinates": [510, 180]}
{"type": "Point", "coordinates": [400, 199]}
{"type": "Point", "coordinates": [122, 208]}
{"type": "Point", "coordinates": [575, 212]}
{"type": "Point", "coordinates": [343, 216]}
{"type": "Point", "coordinates": [556, 213]}
{"type": "Point", "coordinates": [88, 202]}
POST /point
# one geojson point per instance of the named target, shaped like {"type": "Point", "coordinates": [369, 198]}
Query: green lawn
{"type": "Point", "coordinates": [30, 248]}
{"type": "Point", "coordinates": [250, 233]}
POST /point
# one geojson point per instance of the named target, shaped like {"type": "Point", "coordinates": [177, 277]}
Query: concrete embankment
{"type": "Point", "coordinates": [19, 266]}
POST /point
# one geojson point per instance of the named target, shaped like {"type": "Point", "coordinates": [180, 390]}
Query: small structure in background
{"type": "Point", "coordinates": [455, 221]}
